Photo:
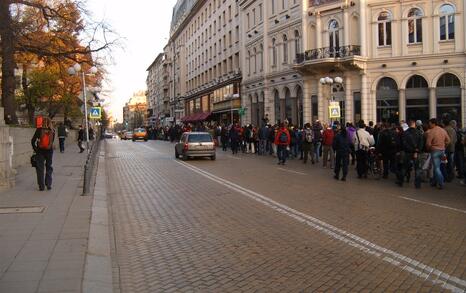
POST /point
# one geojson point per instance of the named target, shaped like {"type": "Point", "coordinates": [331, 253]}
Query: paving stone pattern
{"type": "Point", "coordinates": [45, 252]}
{"type": "Point", "coordinates": [177, 231]}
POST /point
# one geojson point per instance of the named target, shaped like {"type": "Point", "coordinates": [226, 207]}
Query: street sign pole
{"type": "Point", "coordinates": [85, 112]}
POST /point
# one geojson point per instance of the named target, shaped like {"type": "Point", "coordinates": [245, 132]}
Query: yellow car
{"type": "Point", "coordinates": [139, 134]}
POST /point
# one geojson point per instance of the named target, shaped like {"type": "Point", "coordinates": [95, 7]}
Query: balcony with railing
{"type": "Point", "coordinates": [348, 57]}
{"type": "Point", "coordinates": [328, 53]}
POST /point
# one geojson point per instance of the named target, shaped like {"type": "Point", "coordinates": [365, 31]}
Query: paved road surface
{"type": "Point", "coordinates": [245, 224]}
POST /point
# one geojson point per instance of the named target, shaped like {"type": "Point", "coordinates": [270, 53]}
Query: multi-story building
{"type": "Point", "coordinates": [271, 36]}
{"type": "Point", "coordinates": [204, 57]}
{"type": "Point", "coordinates": [157, 90]}
{"type": "Point", "coordinates": [135, 111]}
{"type": "Point", "coordinates": [398, 60]}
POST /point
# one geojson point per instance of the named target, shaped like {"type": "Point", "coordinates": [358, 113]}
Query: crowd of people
{"type": "Point", "coordinates": [432, 152]}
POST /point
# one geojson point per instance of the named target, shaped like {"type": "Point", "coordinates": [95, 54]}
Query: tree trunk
{"type": "Point", "coordinates": [8, 63]}
{"type": "Point", "coordinates": [29, 103]}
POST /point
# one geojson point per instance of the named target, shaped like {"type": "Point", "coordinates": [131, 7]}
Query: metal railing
{"type": "Point", "coordinates": [89, 166]}
{"type": "Point", "coordinates": [328, 52]}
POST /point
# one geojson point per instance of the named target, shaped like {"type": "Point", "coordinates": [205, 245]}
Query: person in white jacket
{"type": "Point", "coordinates": [362, 141]}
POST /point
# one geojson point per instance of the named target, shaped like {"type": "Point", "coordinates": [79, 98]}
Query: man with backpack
{"type": "Point", "coordinates": [308, 146]}
{"type": "Point", "coordinates": [42, 144]}
{"type": "Point", "coordinates": [282, 141]}
{"type": "Point", "coordinates": [362, 142]}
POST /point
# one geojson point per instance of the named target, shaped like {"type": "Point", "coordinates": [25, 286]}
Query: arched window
{"type": "Point", "coordinates": [417, 98]}
{"type": "Point", "coordinates": [385, 28]}
{"type": "Point", "coordinates": [447, 22]}
{"type": "Point", "coordinates": [387, 100]}
{"type": "Point", "coordinates": [297, 42]}
{"type": "Point", "coordinates": [415, 26]}
{"type": "Point", "coordinates": [334, 37]}
{"type": "Point", "coordinates": [285, 49]}
{"type": "Point", "coordinates": [274, 52]}
{"type": "Point", "coordinates": [449, 98]}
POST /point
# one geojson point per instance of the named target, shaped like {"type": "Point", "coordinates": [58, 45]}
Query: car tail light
{"type": "Point", "coordinates": [186, 147]}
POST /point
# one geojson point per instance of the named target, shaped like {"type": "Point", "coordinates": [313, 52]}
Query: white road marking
{"type": "Point", "coordinates": [433, 204]}
{"type": "Point", "coordinates": [291, 171]}
{"type": "Point", "coordinates": [403, 262]}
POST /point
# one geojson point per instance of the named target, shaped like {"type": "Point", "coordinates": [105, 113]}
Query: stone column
{"type": "Point", "coordinates": [269, 105]}
{"type": "Point", "coordinates": [402, 104]}
{"type": "Point", "coordinates": [365, 99]}
{"type": "Point", "coordinates": [346, 27]}
{"type": "Point", "coordinates": [7, 177]}
{"type": "Point", "coordinates": [320, 101]}
{"type": "Point", "coordinates": [318, 31]}
{"type": "Point", "coordinates": [307, 103]}
{"type": "Point", "coordinates": [349, 102]}
{"type": "Point", "coordinates": [363, 28]}
{"type": "Point", "coordinates": [432, 102]}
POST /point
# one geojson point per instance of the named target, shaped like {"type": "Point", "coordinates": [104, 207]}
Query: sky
{"type": "Point", "coordinates": [144, 26]}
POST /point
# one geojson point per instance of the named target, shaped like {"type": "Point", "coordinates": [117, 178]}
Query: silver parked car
{"type": "Point", "coordinates": [195, 144]}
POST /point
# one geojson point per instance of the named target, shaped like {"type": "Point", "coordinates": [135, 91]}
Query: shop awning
{"type": "Point", "coordinates": [196, 117]}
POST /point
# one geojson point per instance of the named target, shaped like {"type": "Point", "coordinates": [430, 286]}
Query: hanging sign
{"type": "Point", "coordinates": [334, 110]}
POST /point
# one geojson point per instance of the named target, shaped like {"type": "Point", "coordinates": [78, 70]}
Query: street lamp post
{"type": "Point", "coordinates": [330, 81]}
{"type": "Point", "coordinates": [74, 70]}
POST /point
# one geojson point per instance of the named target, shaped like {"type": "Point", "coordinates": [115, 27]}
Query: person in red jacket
{"type": "Point", "coordinates": [327, 142]}
{"type": "Point", "coordinates": [282, 140]}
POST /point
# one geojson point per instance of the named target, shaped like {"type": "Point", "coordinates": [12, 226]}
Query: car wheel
{"type": "Point", "coordinates": [145, 139]}
{"type": "Point", "coordinates": [185, 157]}
{"type": "Point", "coordinates": [213, 157]}
{"type": "Point", "coordinates": [176, 154]}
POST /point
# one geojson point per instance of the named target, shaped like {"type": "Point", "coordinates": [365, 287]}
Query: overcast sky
{"type": "Point", "coordinates": [144, 25]}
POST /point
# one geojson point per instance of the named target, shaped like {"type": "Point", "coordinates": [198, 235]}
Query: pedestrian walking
{"type": "Point", "coordinates": [327, 142]}
{"type": "Point", "coordinates": [282, 141]}
{"type": "Point", "coordinates": [234, 138]}
{"type": "Point", "coordinates": [308, 145]}
{"type": "Point", "coordinates": [450, 150]}
{"type": "Point", "coordinates": [437, 140]}
{"type": "Point", "coordinates": [317, 139]}
{"type": "Point", "coordinates": [42, 144]}
{"type": "Point", "coordinates": [62, 134]}
{"type": "Point", "coordinates": [386, 147]}
{"type": "Point", "coordinates": [81, 135]}
{"type": "Point", "coordinates": [342, 147]}
{"type": "Point", "coordinates": [411, 146]}
{"type": "Point", "coordinates": [362, 142]}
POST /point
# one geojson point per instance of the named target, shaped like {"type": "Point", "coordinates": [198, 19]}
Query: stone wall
{"type": "Point", "coordinates": [22, 149]}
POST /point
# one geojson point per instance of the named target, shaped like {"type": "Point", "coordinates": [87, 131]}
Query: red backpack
{"type": "Point", "coordinates": [46, 139]}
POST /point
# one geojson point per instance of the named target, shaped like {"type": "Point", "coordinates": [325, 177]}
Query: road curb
{"type": "Point", "coordinates": [98, 267]}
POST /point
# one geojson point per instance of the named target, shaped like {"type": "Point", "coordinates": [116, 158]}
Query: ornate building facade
{"type": "Point", "coordinates": [271, 37]}
{"type": "Point", "coordinates": [398, 59]}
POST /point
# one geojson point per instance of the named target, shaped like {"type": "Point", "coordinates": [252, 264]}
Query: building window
{"type": "Point", "coordinates": [385, 28]}
{"type": "Point", "coordinates": [261, 61]}
{"type": "Point", "coordinates": [274, 52]}
{"type": "Point", "coordinates": [273, 7]}
{"type": "Point", "coordinates": [249, 62]}
{"type": "Point", "coordinates": [285, 49]}
{"type": "Point", "coordinates": [447, 22]}
{"type": "Point", "coordinates": [255, 59]}
{"type": "Point", "coordinates": [415, 26]}
{"type": "Point", "coordinates": [260, 12]}
{"type": "Point", "coordinates": [297, 42]}
{"type": "Point", "coordinates": [334, 36]}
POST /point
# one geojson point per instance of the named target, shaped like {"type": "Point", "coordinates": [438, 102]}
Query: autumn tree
{"type": "Point", "coordinates": [51, 31]}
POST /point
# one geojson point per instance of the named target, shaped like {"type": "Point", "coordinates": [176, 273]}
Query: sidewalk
{"type": "Point", "coordinates": [45, 251]}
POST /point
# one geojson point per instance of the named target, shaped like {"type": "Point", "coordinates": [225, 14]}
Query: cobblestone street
{"type": "Point", "coordinates": [243, 224]}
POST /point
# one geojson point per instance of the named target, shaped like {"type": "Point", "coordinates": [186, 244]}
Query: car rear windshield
{"type": "Point", "coordinates": [199, 138]}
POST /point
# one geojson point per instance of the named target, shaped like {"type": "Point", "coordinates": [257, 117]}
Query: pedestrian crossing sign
{"type": "Point", "coordinates": [95, 113]}
{"type": "Point", "coordinates": [334, 110]}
